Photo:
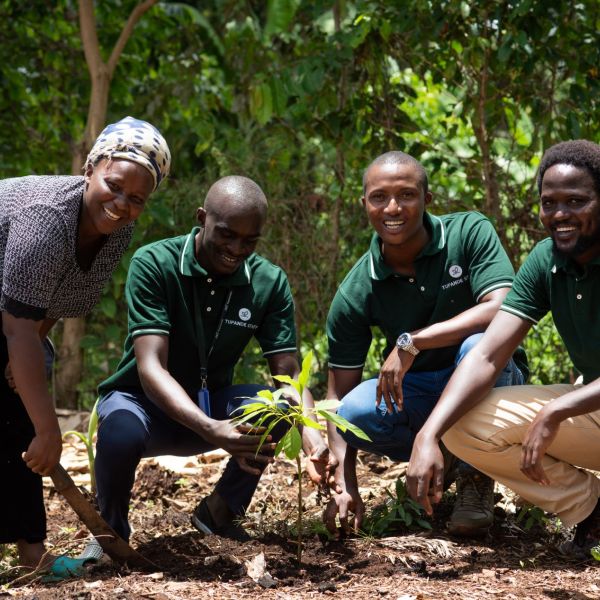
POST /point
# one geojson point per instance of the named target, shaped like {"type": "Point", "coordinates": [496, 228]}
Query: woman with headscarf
{"type": "Point", "coordinates": [61, 237]}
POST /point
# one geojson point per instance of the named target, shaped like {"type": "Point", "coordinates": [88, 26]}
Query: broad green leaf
{"type": "Point", "coordinates": [327, 405]}
{"type": "Point", "coordinates": [289, 380]}
{"type": "Point", "coordinates": [308, 422]}
{"type": "Point", "coordinates": [268, 394]}
{"type": "Point", "coordinates": [280, 14]}
{"type": "Point", "coordinates": [344, 425]}
{"type": "Point", "coordinates": [305, 372]}
{"type": "Point", "coordinates": [293, 443]}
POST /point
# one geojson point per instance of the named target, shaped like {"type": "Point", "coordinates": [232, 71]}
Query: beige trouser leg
{"type": "Point", "coordinates": [489, 437]}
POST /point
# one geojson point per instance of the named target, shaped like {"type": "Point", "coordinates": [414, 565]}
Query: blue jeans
{"type": "Point", "coordinates": [132, 427]}
{"type": "Point", "coordinates": [393, 434]}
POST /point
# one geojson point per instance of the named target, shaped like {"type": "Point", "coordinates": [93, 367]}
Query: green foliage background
{"type": "Point", "coordinates": [300, 95]}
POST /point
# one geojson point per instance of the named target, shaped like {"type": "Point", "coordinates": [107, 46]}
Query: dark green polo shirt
{"type": "Point", "coordinates": [548, 281]}
{"type": "Point", "coordinates": [462, 262]}
{"type": "Point", "coordinates": [160, 300]}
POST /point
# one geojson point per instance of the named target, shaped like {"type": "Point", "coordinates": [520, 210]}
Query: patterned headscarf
{"type": "Point", "coordinates": [136, 141]}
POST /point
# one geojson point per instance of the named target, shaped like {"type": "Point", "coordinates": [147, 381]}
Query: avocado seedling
{"type": "Point", "coordinates": [270, 408]}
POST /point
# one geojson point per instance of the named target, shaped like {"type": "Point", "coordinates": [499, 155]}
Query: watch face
{"type": "Point", "coordinates": [404, 340]}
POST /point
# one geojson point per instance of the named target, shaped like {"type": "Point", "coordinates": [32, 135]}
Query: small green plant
{"type": "Point", "coordinates": [271, 408]}
{"type": "Point", "coordinates": [88, 441]}
{"type": "Point", "coordinates": [532, 515]}
{"type": "Point", "coordinates": [595, 551]}
{"type": "Point", "coordinates": [398, 511]}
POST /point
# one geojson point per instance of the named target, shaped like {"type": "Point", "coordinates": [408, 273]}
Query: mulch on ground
{"type": "Point", "coordinates": [410, 564]}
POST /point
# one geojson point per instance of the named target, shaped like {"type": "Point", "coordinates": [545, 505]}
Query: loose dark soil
{"type": "Point", "coordinates": [409, 565]}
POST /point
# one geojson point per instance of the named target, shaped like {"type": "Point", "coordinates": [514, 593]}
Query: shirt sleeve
{"type": "Point", "coordinates": [277, 331]}
{"type": "Point", "coordinates": [146, 298]}
{"type": "Point", "coordinates": [34, 261]}
{"type": "Point", "coordinates": [529, 297]}
{"type": "Point", "coordinates": [348, 334]}
{"type": "Point", "coordinates": [489, 266]}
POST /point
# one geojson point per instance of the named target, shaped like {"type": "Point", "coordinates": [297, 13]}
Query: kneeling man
{"type": "Point", "coordinates": [195, 301]}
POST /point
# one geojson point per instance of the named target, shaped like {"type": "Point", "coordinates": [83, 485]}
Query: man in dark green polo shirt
{"type": "Point", "coordinates": [534, 438]}
{"type": "Point", "coordinates": [430, 284]}
{"type": "Point", "coordinates": [195, 301]}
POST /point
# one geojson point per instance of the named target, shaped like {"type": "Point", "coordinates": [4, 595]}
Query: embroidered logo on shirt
{"type": "Point", "coordinates": [245, 314]}
{"type": "Point", "coordinates": [455, 271]}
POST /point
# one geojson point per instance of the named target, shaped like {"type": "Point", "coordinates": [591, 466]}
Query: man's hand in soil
{"type": "Point", "coordinates": [343, 504]}
{"type": "Point", "coordinates": [389, 384]}
{"type": "Point", "coordinates": [321, 466]}
{"type": "Point", "coordinates": [425, 473]}
{"type": "Point", "coordinates": [242, 442]}
{"type": "Point", "coordinates": [538, 438]}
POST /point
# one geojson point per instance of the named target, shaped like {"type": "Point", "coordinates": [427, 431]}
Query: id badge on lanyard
{"type": "Point", "coordinates": [204, 401]}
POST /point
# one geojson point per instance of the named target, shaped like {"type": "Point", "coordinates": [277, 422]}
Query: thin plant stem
{"type": "Point", "coordinates": [299, 521]}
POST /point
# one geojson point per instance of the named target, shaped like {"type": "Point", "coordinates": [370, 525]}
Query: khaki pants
{"type": "Point", "coordinates": [489, 438]}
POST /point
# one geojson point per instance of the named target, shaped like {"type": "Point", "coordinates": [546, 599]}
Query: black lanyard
{"type": "Point", "coordinates": [200, 339]}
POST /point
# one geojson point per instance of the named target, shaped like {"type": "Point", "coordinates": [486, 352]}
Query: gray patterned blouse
{"type": "Point", "coordinates": [38, 238]}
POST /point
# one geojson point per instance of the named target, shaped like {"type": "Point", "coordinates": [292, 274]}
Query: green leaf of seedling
{"type": "Point", "coordinates": [293, 443]}
{"type": "Point", "coordinates": [93, 424]}
{"type": "Point", "coordinates": [78, 434]}
{"type": "Point", "coordinates": [327, 405]}
{"type": "Point", "coordinates": [279, 446]}
{"type": "Point", "coordinates": [344, 425]}
{"type": "Point", "coordinates": [287, 379]}
{"type": "Point", "coordinates": [596, 552]}
{"type": "Point", "coordinates": [305, 372]}
{"type": "Point", "coordinates": [308, 422]}
{"type": "Point", "coordinates": [423, 524]}
{"type": "Point", "coordinates": [268, 394]}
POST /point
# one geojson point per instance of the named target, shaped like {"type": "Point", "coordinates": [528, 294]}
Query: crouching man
{"type": "Point", "coordinates": [195, 301]}
{"type": "Point", "coordinates": [431, 285]}
{"type": "Point", "coordinates": [540, 441]}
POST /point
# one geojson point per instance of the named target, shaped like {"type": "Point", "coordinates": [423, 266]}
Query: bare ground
{"type": "Point", "coordinates": [412, 564]}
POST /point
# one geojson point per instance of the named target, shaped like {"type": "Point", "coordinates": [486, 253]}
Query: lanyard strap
{"type": "Point", "coordinates": [200, 338]}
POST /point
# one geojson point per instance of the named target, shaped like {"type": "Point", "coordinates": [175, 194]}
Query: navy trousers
{"type": "Point", "coordinates": [132, 427]}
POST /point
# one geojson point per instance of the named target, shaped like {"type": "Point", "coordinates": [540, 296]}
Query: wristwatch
{"type": "Point", "coordinates": [405, 342]}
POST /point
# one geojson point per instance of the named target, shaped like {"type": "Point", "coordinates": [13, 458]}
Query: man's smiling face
{"type": "Point", "coordinates": [570, 211]}
{"type": "Point", "coordinates": [229, 236]}
{"type": "Point", "coordinates": [395, 202]}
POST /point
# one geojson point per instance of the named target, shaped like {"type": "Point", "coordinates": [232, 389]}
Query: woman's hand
{"type": "Point", "coordinates": [44, 451]}
{"type": "Point", "coordinates": [9, 378]}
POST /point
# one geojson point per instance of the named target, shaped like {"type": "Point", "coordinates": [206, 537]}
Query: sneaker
{"type": "Point", "coordinates": [473, 511]}
{"type": "Point", "coordinates": [587, 536]}
{"type": "Point", "coordinates": [203, 521]}
{"type": "Point", "coordinates": [92, 551]}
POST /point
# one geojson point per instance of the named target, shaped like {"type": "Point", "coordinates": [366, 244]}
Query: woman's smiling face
{"type": "Point", "coordinates": [115, 194]}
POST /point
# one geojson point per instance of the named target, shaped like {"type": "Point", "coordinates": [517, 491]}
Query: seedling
{"type": "Point", "coordinates": [88, 441]}
{"type": "Point", "coordinates": [271, 408]}
{"type": "Point", "coordinates": [398, 510]}
{"type": "Point", "coordinates": [532, 515]}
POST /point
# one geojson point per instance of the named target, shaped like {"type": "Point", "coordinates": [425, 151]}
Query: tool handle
{"type": "Point", "coordinates": [61, 479]}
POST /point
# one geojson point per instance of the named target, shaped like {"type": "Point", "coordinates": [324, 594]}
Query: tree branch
{"type": "Point", "coordinates": [89, 37]}
{"type": "Point", "coordinates": [134, 17]}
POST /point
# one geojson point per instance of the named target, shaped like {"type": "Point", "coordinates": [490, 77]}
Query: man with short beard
{"type": "Point", "coordinates": [537, 440]}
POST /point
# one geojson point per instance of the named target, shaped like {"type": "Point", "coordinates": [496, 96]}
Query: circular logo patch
{"type": "Point", "coordinates": [455, 271]}
{"type": "Point", "coordinates": [245, 314]}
